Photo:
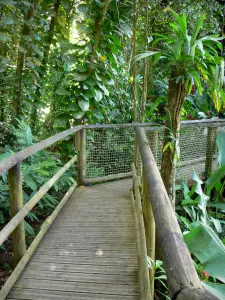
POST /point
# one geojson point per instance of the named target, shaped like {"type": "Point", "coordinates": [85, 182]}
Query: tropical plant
{"type": "Point", "coordinates": [191, 61]}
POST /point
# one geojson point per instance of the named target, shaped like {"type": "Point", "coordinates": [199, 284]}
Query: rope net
{"type": "Point", "coordinates": [110, 151]}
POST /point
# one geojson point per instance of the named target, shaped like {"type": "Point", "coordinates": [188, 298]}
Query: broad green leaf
{"type": "Point", "coordinates": [79, 114]}
{"type": "Point", "coordinates": [84, 104]}
{"type": "Point", "coordinates": [6, 21]}
{"type": "Point", "coordinates": [145, 55]}
{"type": "Point", "coordinates": [81, 68]}
{"type": "Point", "coordinates": [89, 94]}
{"type": "Point", "coordinates": [103, 88]}
{"type": "Point", "coordinates": [7, 2]}
{"type": "Point", "coordinates": [216, 289]}
{"type": "Point", "coordinates": [90, 81]}
{"type": "Point", "coordinates": [80, 77]}
{"type": "Point", "coordinates": [197, 29]}
{"type": "Point", "coordinates": [98, 114]}
{"type": "Point", "coordinates": [4, 37]}
{"type": "Point", "coordinates": [220, 140]}
{"type": "Point", "coordinates": [62, 91]}
{"type": "Point", "coordinates": [197, 81]}
{"type": "Point", "coordinates": [154, 106]}
{"type": "Point", "coordinates": [209, 249]}
{"type": "Point", "coordinates": [98, 95]}
{"type": "Point", "coordinates": [28, 228]}
{"type": "Point", "coordinates": [215, 178]}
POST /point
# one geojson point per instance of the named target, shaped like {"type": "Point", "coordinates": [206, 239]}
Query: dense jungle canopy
{"type": "Point", "coordinates": [66, 61]}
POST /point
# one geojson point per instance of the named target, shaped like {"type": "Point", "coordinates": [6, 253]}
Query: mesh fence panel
{"type": "Point", "coordinates": [110, 151]}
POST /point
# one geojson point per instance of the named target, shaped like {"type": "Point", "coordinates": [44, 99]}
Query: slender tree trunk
{"type": "Point", "coordinates": [43, 68]}
{"type": "Point", "coordinates": [134, 71]}
{"type": "Point", "coordinates": [97, 33]}
{"type": "Point", "coordinates": [176, 97]}
{"type": "Point", "coordinates": [17, 100]}
{"type": "Point", "coordinates": [146, 63]}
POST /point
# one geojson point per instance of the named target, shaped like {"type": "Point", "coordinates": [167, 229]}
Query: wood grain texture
{"type": "Point", "coordinates": [89, 252]}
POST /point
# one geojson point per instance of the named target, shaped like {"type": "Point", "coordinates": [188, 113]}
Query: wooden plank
{"type": "Point", "coordinates": [72, 268]}
{"type": "Point", "coordinates": [84, 287]}
{"type": "Point", "coordinates": [82, 277]}
{"type": "Point", "coordinates": [37, 294]}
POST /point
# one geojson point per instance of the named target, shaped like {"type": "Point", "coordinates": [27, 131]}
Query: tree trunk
{"type": "Point", "coordinates": [49, 39]}
{"type": "Point", "coordinates": [176, 97]}
{"type": "Point", "coordinates": [97, 33]}
{"type": "Point", "coordinates": [17, 99]}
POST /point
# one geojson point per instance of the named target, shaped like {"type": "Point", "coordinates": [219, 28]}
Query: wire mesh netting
{"type": "Point", "coordinates": [110, 151]}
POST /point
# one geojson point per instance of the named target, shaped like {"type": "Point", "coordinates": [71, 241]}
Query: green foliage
{"type": "Point", "coordinates": [203, 242]}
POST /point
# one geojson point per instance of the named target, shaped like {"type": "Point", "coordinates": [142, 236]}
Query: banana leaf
{"type": "Point", "coordinates": [216, 289]}
{"type": "Point", "coordinates": [209, 249]}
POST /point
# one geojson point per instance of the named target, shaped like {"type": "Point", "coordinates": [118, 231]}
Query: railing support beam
{"type": "Point", "coordinates": [16, 204]}
{"type": "Point", "coordinates": [82, 158]}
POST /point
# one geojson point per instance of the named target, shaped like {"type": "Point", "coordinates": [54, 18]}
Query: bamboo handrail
{"type": "Point", "coordinates": [11, 161]}
{"type": "Point", "coordinates": [181, 273]}
{"type": "Point", "coordinates": [15, 221]}
{"type": "Point", "coordinates": [21, 265]}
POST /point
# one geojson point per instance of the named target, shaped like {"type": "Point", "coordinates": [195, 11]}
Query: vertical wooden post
{"type": "Point", "coordinates": [149, 230]}
{"type": "Point", "coordinates": [82, 158]}
{"type": "Point", "coordinates": [154, 143]}
{"type": "Point", "coordinates": [210, 150]}
{"type": "Point", "coordinates": [16, 203]}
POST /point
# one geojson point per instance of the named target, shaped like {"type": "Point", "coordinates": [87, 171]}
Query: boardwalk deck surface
{"type": "Point", "coordinates": [88, 253]}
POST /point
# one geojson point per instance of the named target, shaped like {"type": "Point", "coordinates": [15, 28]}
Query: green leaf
{"type": "Point", "coordinates": [81, 68]}
{"type": "Point", "coordinates": [90, 81]}
{"type": "Point", "coordinates": [98, 114]}
{"type": "Point", "coordinates": [103, 88]}
{"type": "Point", "coordinates": [154, 105]}
{"type": "Point", "coordinates": [220, 140]}
{"type": "Point", "coordinates": [216, 289]}
{"type": "Point", "coordinates": [62, 91]}
{"type": "Point", "coordinates": [5, 37]}
{"type": "Point", "coordinates": [80, 77]}
{"type": "Point", "coordinates": [209, 249]}
{"type": "Point", "coordinates": [215, 178]}
{"type": "Point", "coordinates": [84, 104]}
{"type": "Point", "coordinates": [145, 55]}
{"type": "Point", "coordinates": [28, 228]}
{"type": "Point", "coordinates": [218, 205]}
{"type": "Point", "coordinates": [197, 29]}
{"type": "Point", "coordinates": [7, 2]}
{"type": "Point", "coordinates": [79, 114]}
{"type": "Point", "coordinates": [197, 81]}
{"type": "Point", "coordinates": [98, 95]}
{"type": "Point", "coordinates": [29, 181]}
{"type": "Point", "coordinates": [6, 21]}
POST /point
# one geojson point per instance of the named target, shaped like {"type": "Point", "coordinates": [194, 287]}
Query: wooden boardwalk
{"type": "Point", "coordinates": [88, 253]}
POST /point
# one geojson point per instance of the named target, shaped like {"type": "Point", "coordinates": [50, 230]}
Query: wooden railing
{"type": "Point", "coordinates": [182, 277]}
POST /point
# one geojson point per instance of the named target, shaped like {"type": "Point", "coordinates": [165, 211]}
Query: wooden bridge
{"type": "Point", "coordinates": [99, 236]}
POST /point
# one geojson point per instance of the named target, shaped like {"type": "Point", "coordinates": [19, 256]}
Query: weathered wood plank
{"type": "Point", "coordinates": [32, 294]}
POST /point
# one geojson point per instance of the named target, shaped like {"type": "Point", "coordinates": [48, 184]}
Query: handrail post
{"type": "Point", "coordinates": [210, 150]}
{"type": "Point", "coordinates": [16, 203]}
{"type": "Point", "coordinates": [82, 158]}
{"type": "Point", "coordinates": [149, 223]}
